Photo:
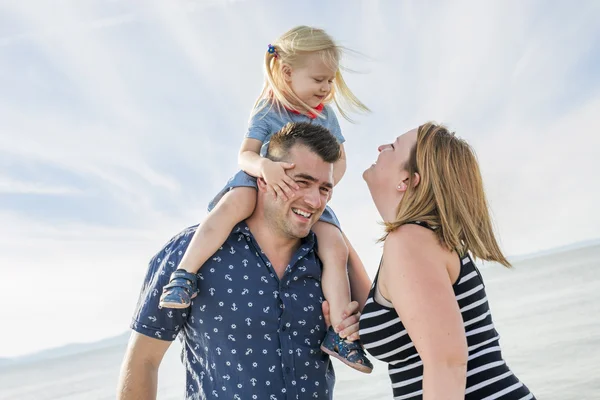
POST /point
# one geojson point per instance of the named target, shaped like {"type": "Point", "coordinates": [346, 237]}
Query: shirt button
{"type": "Point", "coordinates": [283, 328]}
{"type": "Point", "coordinates": [287, 370]}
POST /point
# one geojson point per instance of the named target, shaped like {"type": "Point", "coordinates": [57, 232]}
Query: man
{"type": "Point", "coordinates": [255, 328]}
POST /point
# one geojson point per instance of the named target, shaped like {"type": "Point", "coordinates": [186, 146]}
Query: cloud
{"type": "Point", "coordinates": [14, 187]}
{"type": "Point", "coordinates": [118, 124]}
{"type": "Point", "coordinates": [517, 95]}
{"type": "Point", "coordinates": [73, 29]}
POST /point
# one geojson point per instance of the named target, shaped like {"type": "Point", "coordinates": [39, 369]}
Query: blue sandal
{"type": "Point", "coordinates": [180, 290]}
{"type": "Point", "coordinates": [350, 353]}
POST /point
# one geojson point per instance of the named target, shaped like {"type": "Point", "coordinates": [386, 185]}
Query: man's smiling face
{"type": "Point", "coordinates": [295, 217]}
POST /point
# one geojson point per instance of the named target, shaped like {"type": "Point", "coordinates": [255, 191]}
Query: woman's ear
{"type": "Point", "coordinates": [416, 179]}
{"type": "Point", "coordinates": [403, 185]}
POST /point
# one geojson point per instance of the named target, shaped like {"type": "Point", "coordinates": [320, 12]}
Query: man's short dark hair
{"type": "Point", "coordinates": [317, 138]}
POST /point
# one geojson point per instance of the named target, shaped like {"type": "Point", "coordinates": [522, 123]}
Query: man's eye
{"type": "Point", "coordinates": [318, 80]}
{"type": "Point", "coordinates": [301, 183]}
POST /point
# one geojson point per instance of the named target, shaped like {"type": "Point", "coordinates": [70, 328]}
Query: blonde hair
{"type": "Point", "coordinates": [450, 196]}
{"type": "Point", "coordinates": [289, 49]}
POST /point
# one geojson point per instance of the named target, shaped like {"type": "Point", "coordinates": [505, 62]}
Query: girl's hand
{"type": "Point", "coordinates": [273, 172]}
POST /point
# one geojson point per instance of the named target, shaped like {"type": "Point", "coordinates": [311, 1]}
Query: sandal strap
{"type": "Point", "coordinates": [345, 348]}
{"type": "Point", "coordinates": [359, 356]}
{"type": "Point", "coordinates": [183, 279]}
{"type": "Point", "coordinates": [182, 273]}
{"type": "Point", "coordinates": [353, 352]}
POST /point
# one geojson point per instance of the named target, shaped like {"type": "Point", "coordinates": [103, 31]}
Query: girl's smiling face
{"type": "Point", "coordinates": [311, 80]}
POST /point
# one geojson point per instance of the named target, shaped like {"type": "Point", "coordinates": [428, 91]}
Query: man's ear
{"type": "Point", "coordinates": [261, 184]}
{"type": "Point", "coordinates": [286, 70]}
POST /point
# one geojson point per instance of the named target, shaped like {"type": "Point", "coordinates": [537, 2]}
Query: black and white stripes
{"type": "Point", "coordinates": [488, 377]}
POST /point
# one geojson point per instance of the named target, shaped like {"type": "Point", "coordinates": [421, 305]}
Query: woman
{"type": "Point", "coordinates": [427, 314]}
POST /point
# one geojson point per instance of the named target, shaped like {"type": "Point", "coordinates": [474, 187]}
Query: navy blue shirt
{"type": "Point", "coordinates": [248, 334]}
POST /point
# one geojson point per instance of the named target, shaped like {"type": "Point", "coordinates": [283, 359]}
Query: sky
{"type": "Point", "coordinates": [120, 121]}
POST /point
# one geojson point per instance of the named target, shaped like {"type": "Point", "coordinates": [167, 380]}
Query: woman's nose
{"type": "Point", "coordinates": [380, 148]}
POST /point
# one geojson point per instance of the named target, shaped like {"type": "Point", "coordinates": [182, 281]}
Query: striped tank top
{"type": "Point", "coordinates": [488, 377]}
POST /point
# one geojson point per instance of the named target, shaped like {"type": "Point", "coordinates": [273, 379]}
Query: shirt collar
{"type": "Point", "coordinates": [242, 227]}
{"type": "Point", "coordinates": [319, 108]}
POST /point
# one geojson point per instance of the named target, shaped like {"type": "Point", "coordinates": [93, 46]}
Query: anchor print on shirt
{"type": "Point", "coordinates": [236, 297]}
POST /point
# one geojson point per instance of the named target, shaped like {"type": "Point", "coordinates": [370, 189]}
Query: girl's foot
{"type": "Point", "coordinates": [180, 290]}
{"type": "Point", "coordinates": [350, 353]}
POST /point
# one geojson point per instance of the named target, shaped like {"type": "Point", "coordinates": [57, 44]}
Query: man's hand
{"type": "Point", "coordinates": [348, 328]}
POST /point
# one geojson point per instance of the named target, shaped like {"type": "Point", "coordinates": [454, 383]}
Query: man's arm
{"type": "Point", "coordinates": [154, 327]}
{"type": "Point", "coordinates": [139, 371]}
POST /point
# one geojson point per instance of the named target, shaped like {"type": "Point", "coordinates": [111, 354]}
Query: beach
{"type": "Point", "coordinates": [547, 311]}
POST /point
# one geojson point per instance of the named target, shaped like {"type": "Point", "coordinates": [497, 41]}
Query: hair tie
{"type": "Point", "coordinates": [272, 50]}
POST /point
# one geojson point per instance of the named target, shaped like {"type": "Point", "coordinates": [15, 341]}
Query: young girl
{"type": "Point", "coordinates": [302, 78]}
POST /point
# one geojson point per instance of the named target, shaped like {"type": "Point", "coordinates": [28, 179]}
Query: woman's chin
{"type": "Point", "coordinates": [365, 174]}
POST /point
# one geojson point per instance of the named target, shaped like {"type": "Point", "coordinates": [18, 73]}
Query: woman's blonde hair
{"type": "Point", "coordinates": [290, 49]}
{"type": "Point", "coordinates": [450, 196]}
